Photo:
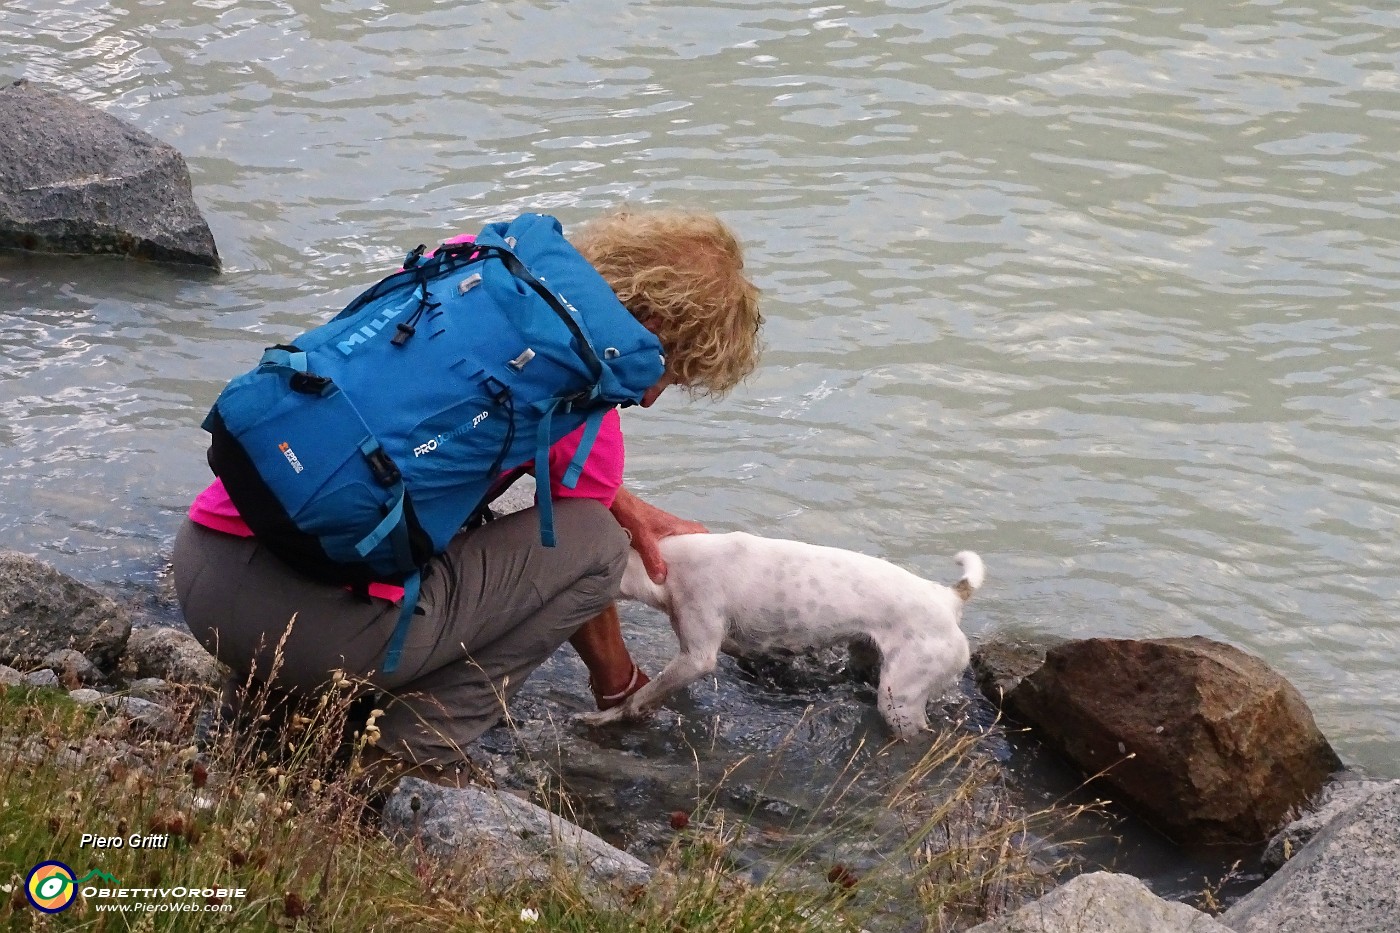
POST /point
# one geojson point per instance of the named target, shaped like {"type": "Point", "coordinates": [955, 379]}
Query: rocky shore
{"type": "Point", "coordinates": [1337, 867]}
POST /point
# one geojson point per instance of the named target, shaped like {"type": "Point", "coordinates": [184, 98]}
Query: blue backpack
{"type": "Point", "coordinates": [357, 452]}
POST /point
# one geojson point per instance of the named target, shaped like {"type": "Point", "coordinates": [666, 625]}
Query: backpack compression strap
{"type": "Point", "coordinates": [394, 526]}
{"type": "Point", "coordinates": [288, 359]}
{"type": "Point", "coordinates": [411, 588]}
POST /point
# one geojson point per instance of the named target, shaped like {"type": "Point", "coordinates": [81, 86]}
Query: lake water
{"type": "Point", "coordinates": [1105, 291]}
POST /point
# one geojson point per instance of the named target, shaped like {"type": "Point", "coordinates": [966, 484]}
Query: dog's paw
{"type": "Point", "coordinates": [601, 718]}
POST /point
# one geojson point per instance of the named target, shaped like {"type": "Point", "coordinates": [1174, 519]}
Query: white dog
{"type": "Point", "coordinates": [744, 595]}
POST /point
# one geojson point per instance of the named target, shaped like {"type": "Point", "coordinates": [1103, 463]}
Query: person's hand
{"type": "Point", "coordinates": [647, 525]}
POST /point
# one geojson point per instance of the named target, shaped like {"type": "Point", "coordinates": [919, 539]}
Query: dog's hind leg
{"type": "Point", "coordinates": [904, 711]}
{"type": "Point", "coordinates": [911, 673]}
{"type": "Point", "coordinates": [907, 674]}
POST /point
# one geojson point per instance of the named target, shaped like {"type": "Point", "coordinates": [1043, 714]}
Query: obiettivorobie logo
{"type": "Point", "coordinates": [52, 887]}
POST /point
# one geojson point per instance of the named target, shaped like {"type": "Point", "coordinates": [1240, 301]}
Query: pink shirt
{"type": "Point", "coordinates": [601, 479]}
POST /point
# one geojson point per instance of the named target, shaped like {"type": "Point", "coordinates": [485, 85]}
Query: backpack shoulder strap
{"type": "Point", "coordinates": [544, 498]}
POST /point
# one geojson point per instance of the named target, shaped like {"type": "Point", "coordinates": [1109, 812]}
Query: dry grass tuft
{"type": "Point", "coordinates": [279, 813]}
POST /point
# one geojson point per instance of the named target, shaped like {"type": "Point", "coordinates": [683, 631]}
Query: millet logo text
{"type": "Point", "coordinates": [375, 325]}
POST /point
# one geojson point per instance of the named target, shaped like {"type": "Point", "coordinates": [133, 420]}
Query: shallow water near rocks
{"type": "Point", "coordinates": [797, 749]}
{"type": "Point", "coordinates": [1104, 291]}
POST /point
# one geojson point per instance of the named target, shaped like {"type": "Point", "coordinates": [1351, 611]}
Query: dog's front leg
{"type": "Point", "coordinates": [700, 635]}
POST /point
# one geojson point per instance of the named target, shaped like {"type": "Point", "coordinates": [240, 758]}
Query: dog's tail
{"type": "Point", "coordinates": [973, 574]}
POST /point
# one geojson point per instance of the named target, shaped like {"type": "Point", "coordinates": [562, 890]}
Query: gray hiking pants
{"type": "Point", "coordinates": [495, 605]}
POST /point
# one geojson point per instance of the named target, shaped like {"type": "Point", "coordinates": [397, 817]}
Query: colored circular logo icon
{"type": "Point", "coordinates": [51, 887]}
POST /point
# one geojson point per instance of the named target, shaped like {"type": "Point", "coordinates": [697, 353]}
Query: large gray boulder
{"type": "Point", "coordinates": [1335, 801]}
{"type": "Point", "coordinates": [75, 180]}
{"type": "Point", "coordinates": [1103, 902]}
{"type": "Point", "coordinates": [42, 610]}
{"type": "Point", "coordinates": [513, 839]}
{"type": "Point", "coordinates": [1206, 742]}
{"type": "Point", "coordinates": [171, 655]}
{"type": "Point", "coordinates": [1347, 878]}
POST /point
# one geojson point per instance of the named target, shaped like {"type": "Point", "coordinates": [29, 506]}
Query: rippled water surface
{"type": "Point", "coordinates": [1105, 291]}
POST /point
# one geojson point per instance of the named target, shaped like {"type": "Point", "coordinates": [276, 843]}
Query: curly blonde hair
{"type": "Point", "coordinates": [682, 274]}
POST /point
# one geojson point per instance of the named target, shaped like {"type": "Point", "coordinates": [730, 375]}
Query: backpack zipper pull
{"type": "Point", "coordinates": [405, 328]}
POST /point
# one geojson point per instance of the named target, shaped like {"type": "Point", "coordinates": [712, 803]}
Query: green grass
{"type": "Point", "coordinates": [280, 822]}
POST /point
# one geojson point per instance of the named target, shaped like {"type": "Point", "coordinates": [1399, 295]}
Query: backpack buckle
{"type": "Point", "coordinates": [309, 383]}
{"type": "Point", "coordinates": [382, 467]}
{"type": "Point", "coordinates": [414, 256]}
